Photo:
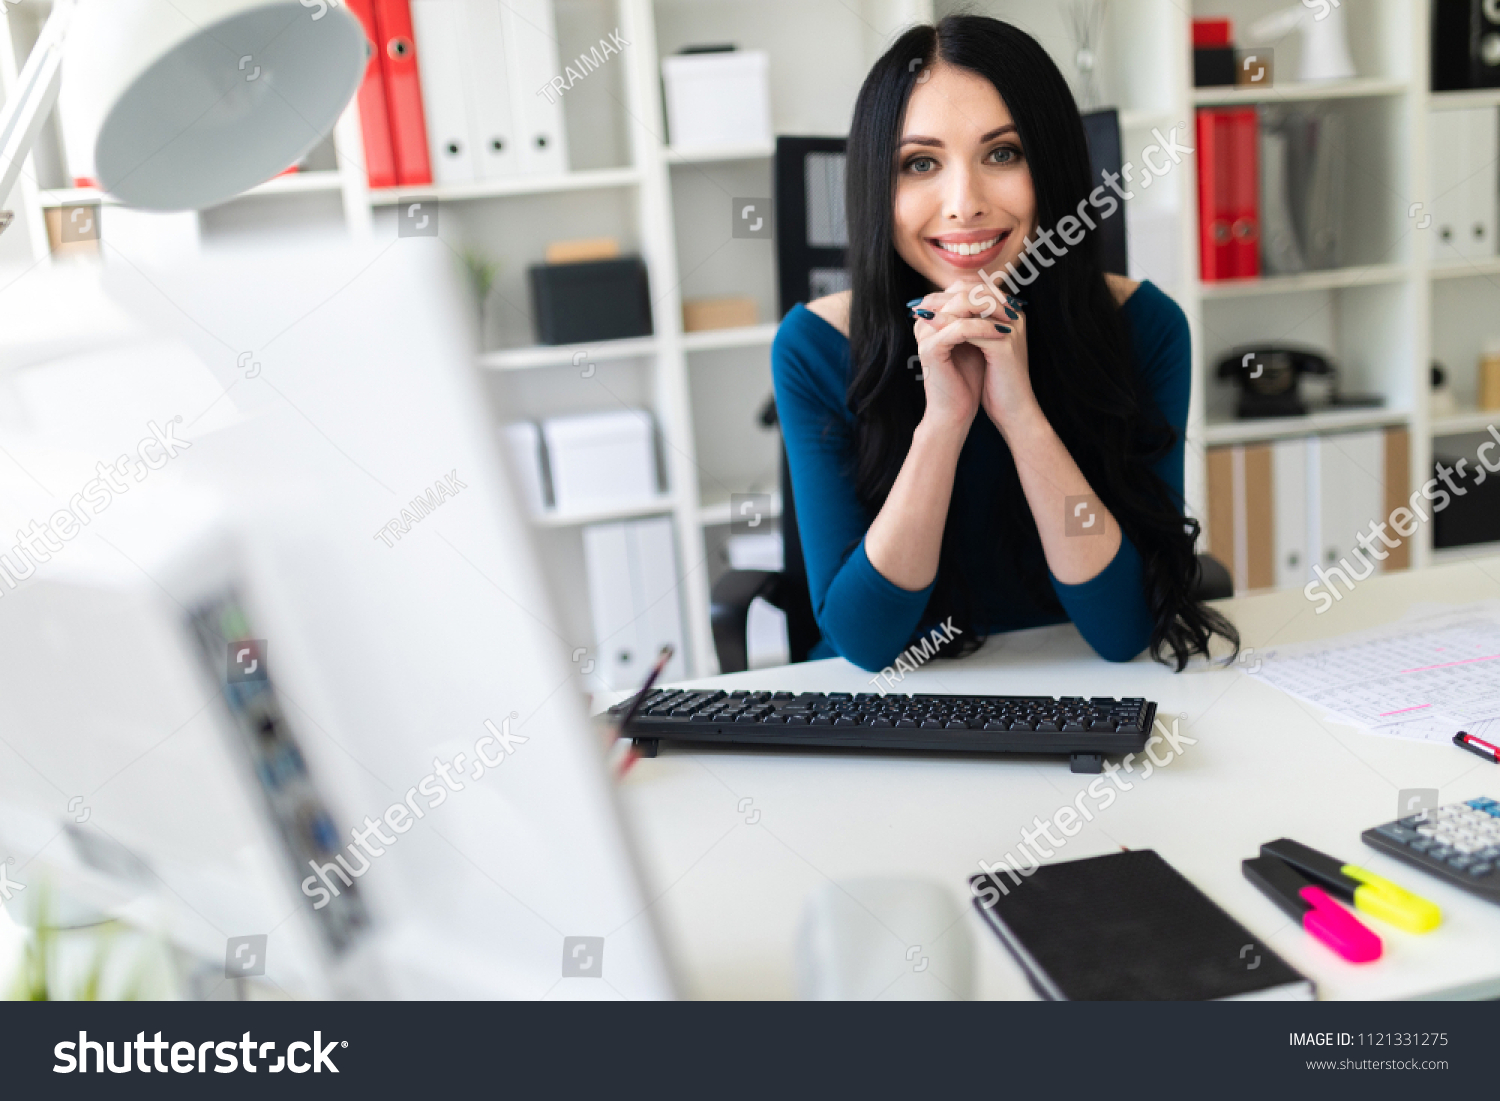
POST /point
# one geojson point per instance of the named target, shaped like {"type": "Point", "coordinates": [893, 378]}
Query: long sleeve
{"type": "Point", "coordinates": [861, 614]}
{"type": "Point", "coordinates": [1110, 609]}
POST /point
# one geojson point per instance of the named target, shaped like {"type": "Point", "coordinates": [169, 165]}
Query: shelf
{"type": "Point", "coordinates": [1358, 88]}
{"type": "Point", "coordinates": [715, 512]}
{"type": "Point", "coordinates": [567, 355]}
{"type": "Point", "coordinates": [593, 179]}
{"type": "Point", "coordinates": [748, 336]}
{"type": "Point", "coordinates": [751, 152]}
{"type": "Point", "coordinates": [1465, 420]}
{"type": "Point", "coordinates": [1279, 428]}
{"type": "Point", "coordinates": [1472, 97]}
{"type": "Point", "coordinates": [1441, 555]}
{"type": "Point", "coordinates": [296, 183]}
{"type": "Point", "coordinates": [1370, 275]}
{"type": "Point", "coordinates": [1462, 269]}
{"type": "Point", "coordinates": [556, 519]}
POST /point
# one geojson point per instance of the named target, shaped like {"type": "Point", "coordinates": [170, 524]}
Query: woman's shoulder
{"type": "Point", "coordinates": [1121, 287]}
{"type": "Point", "coordinates": [810, 354]}
{"type": "Point", "coordinates": [834, 309]}
{"type": "Point", "coordinates": [1161, 341]}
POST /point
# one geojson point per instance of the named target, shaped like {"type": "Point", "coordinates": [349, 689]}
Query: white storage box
{"type": "Point", "coordinates": [634, 596]}
{"type": "Point", "coordinates": [523, 449]}
{"type": "Point", "coordinates": [718, 99]}
{"type": "Point", "coordinates": [601, 460]}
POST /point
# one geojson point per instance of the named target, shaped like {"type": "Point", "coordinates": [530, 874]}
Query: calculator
{"type": "Point", "coordinates": [1459, 842]}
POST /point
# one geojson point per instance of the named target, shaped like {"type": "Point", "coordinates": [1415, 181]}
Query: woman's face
{"type": "Point", "coordinates": [963, 198]}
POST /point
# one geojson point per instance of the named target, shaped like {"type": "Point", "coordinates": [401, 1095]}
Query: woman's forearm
{"type": "Point", "coordinates": [1079, 536]}
{"type": "Point", "coordinates": [904, 541]}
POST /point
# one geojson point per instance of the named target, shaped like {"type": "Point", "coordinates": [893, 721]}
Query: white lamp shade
{"type": "Point", "coordinates": [187, 103]}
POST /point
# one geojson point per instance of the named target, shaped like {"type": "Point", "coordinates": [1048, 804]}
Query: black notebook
{"type": "Point", "coordinates": [1128, 926]}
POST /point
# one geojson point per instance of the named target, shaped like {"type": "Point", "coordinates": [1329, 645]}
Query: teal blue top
{"type": "Point", "coordinates": [867, 619]}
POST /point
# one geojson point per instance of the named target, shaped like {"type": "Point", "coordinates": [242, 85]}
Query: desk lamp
{"type": "Point", "coordinates": [185, 103]}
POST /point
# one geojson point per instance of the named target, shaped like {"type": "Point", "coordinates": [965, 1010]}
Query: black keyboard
{"type": "Point", "coordinates": [1459, 842]}
{"type": "Point", "coordinates": [1085, 729]}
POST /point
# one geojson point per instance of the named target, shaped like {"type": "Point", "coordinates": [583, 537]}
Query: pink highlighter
{"type": "Point", "coordinates": [1321, 916]}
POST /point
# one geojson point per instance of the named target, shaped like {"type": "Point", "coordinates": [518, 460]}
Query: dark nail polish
{"type": "Point", "coordinates": [1003, 328]}
{"type": "Point", "coordinates": [928, 314]}
{"type": "Point", "coordinates": [914, 303]}
{"type": "Point", "coordinates": [1010, 313]}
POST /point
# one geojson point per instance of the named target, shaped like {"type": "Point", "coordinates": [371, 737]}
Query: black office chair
{"type": "Point", "coordinates": [811, 235]}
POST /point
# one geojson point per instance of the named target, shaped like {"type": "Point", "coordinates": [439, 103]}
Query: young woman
{"type": "Point", "coordinates": [968, 451]}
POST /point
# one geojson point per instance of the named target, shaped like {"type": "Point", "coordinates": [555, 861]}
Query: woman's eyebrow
{"type": "Point", "coordinates": [937, 143]}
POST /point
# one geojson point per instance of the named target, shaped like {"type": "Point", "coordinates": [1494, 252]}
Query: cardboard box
{"type": "Point", "coordinates": [729, 312]}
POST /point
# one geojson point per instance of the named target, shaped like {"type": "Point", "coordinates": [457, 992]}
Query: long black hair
{"type": "Point", "coordinates": [1077, 342]}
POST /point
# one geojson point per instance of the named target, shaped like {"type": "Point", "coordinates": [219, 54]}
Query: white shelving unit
{"type": "Point", "coordinates": [1378, 315]}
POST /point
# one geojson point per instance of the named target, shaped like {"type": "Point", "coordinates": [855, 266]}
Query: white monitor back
{"type": "Point", "coordinates": [393, 663]}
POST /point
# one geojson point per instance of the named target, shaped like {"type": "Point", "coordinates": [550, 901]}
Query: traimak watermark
{"type": "Point", "coordinates": [587, 63]}
{"type": "Point", "coordinates": [1071, 227]}
{"type": "Point", "coordinates": [914, 657]}
{"type": "Point", "coordinates": [420, 508]}
{"type": "Point", "coordinates": [37, 544]}
{"type": "Point", "coordinates": [1403, 520]}
{"type": "Point", "coordinates": [400, 819]}
{"type": "Point", "coordinates": [1066, 818]}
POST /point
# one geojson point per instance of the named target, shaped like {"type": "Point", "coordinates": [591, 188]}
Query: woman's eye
{"type": "Point", "coordinates": [920, 164]}
{"type": "Point", "coordinates": [1006, 154]}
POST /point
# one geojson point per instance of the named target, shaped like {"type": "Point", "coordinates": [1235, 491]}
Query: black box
{"type": "Point", "coordinates": [1213, 66]}
{"type": "Point", "coordinates": [1473, 516]}
{"type": "Point", "coordinates": [1465, 44]}
{"type": "Point", "coordinates": [590, 300]}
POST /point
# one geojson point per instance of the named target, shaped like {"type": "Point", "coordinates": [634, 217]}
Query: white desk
{"type": "Point", "coordinates": [731, 890]}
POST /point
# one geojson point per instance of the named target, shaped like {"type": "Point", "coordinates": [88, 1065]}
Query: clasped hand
{"type": "Point", "coordinates": [969, 359]}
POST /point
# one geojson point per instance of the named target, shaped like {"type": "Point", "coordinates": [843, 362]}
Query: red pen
{"type": "Point", "coordinates": [1320, 915]}
{"type": "Point", "coordinates": [1483, 748]}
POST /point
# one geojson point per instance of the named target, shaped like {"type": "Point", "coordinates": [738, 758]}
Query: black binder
{"type": "Point", "coordinates": [1128, 926]}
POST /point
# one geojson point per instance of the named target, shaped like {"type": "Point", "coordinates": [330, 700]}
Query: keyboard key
{"type": "Point", "coordinates": [932, 724]}
{"type": "Point", "coordinates": [1048, 726]}
{"type": "Point", "coordinates": [906, 722]}
{"type": "Point", "coordinates": [797, 718]}
{"type": "Point", "coordinates": [1440, 852]}
{"type": "Point", "coordinates": [1102, 726]}
{"type": "Point", "coordinates": [1072, 726]}
{"type": "Point", "coordinates": [1480, 869]}
{"type": "Point", "coordinates": [880, 721]}
{"type": "Point", "coordinates": [845, 720]}
{"type": "Point", "coordinates": [1460, 862]}
{"type": "Point", "coordinates": [1397, 832]}
{"type": "Point", "coordinates": [1421, 844]}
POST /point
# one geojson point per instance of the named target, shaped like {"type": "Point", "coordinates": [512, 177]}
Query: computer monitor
{"type": "Point", "coordinates": [297, 604]}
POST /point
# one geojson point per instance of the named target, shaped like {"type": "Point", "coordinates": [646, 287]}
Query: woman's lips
{"type": "Point", "coordinates": [973, 260]}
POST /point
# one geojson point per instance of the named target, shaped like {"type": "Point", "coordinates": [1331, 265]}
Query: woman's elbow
{"type": "Point", "coordinates": [871, 655]}
{"type": "Point", "coordinates": [1119, 649]}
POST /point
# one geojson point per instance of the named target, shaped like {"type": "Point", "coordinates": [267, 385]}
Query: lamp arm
{"type": "Point", "coordinates": [35, 94]}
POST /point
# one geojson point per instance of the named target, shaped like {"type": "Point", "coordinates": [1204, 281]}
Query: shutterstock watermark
{"type": "Point", "coordinates": [190, 1057]}
{"type": "Point", "coordinates": [36, 543]}
{"type": "Point", "coordinates": [914, 657]}
{"type": "Point", "coordinates": [1403, 520]}
{"type": "Point", "coordinates": [420, 508]}
{"type": "Point", "coordinates": [1067, 817]}
{"type": "Point", "coordinates": [1070, 228]}
{"type": "Point", "coordinates": [587, 63]}
{"type": "Point", "coordinates": [400, 816]}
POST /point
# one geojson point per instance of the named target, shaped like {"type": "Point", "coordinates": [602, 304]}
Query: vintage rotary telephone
{"type": "Point", "coordinates": [1278, 380]}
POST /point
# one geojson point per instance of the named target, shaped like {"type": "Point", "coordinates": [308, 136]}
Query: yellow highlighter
{"type": "Point", "coordinates": [1373, 894]}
